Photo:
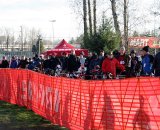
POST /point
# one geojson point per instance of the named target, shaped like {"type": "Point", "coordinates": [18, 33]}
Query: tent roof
{"type": "Point", "coordinates": [59, 52]}
{"type": "Point", "coordinates": [64, 45]}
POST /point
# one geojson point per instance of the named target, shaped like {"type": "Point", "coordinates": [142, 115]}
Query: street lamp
{"type": "Point", "coordinates": [39, 44]}
{"type": "Point", "coordinates": [53, 21]}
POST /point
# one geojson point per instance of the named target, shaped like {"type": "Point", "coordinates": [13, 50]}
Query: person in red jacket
{"type": "Point", "coordinates": [110, 64]}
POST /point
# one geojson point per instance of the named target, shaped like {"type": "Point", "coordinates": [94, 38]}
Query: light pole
{"type": "Point", "coordinates": [21, 38]}
{"type": "Point", "coordinates": [53, 21]}
{"type": "Point", "coordinates": [39, 44]}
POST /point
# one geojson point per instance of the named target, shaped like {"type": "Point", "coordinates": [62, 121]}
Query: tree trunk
{"type": "Point", "coordinates": [94, 15]}
{"type": "Point", "coordinates": [115, 18]}
{"type": "Point", "coordinates": [90, 17]}
{"type": "Point", "coordinates": [126, 24]}
{"type": "Point", "coordinates": [21, 38]}
{"type": "Point", "coordinates": [7, 42]}
{"type": "Point", "coordinates": [85, 21]}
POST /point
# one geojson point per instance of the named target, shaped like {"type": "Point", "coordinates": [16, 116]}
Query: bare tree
{"type": "Point", "coordinates": [126, 23]}
{"type": "Point", "coordinates": [7, 33]}
{"type": "Point", "coordinates": [32, 37]}
{"type": "Point", "coordinates": [85, 21]}
{"type": "Point", "coordinates": [115, 17]}
{"type": "Point", "coordinates": [94, 15]}
{"type": "Point", "coordinates": [90, 17]}
{"type": "Point", "coordinates": [7, 42]}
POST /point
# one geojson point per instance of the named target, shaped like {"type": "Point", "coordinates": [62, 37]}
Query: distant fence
{"type": "Point", "coordinates": [82, 105]}
{"type": "Point", "coordinates": [9, 54]}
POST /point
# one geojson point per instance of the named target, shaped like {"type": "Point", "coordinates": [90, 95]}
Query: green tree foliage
{"type": "Point", "coordinates": [105, 38]}
{"type": "Point", "coordinates": [72, 41]}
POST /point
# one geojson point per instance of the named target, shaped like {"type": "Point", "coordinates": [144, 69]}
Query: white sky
{"type": "Point", "coordinates": [38, 13]}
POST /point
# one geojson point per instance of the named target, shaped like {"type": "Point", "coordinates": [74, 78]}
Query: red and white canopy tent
{"type": "Point", "coordinates": [140, 42]}
{"type": "Point", "coordinates": [63, 46]}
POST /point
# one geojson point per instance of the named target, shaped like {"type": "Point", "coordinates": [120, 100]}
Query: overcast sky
{"type": "Point", "coordinates": [38, 13]}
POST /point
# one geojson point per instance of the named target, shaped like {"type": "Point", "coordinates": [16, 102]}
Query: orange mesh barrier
{"type": "Point", "coordinates": [128, 104]}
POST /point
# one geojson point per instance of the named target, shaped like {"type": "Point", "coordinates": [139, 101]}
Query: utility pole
{"type": "Point", "coordinates": [53, 21]}
{"type": "Point", "coordinates": [39, 44]}
{"type": "Point", "coordinates": [21, 38]}
{"type": "Point", "coordinates": [7, 42]}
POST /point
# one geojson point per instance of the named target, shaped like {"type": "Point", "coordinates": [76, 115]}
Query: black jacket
{"type": "Point", "coordinates": [156, 64]}
{"type": "Point", "coordinates": [73, 63]}
{"type": "Point", "coordinates": [4, 64]}
{"type": "Point", "coordinates": [23, 64]}
{"type": "Point", "coordinates": [54, 61]}
{"type": "Point", "coordinates": [64, 62]}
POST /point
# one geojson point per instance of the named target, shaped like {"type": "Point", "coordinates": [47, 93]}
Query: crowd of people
{"type": "Point", "coordinates": [108, 65]}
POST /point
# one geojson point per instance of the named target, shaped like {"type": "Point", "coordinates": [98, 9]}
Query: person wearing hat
{"type": "Point", "coordinates": [110, 64]}
{"type": "Point", "coordinates": [146, 62]}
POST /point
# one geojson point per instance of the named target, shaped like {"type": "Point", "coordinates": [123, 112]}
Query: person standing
{"type": "Point", "coordinates": [64, 61]}
{"type": "Point", "coordinates": [87, 64]}
{"type": "Point", "coordinates": [135, 65]}
{"type": "Point", "coordinates": [14, 63]}
{"type": "Point", "coordinates": [147, 62]}
{"type": "Point", "coordinates": [73, 62]}
{"type": "Point", "coordinates": [5, 63]}
{"type": "Point", "coordinates": [54, 62]}
{"type": "Point", "coordinates": [156, 64]}
{"type": "Point", "coordinates": [82, 61]}
{"type": "Point", "coordinates": [110, 64]}
{"type": "Point", "coordinates": [125, 60]}
{"type": "Point", "coordinates": [23, 63]}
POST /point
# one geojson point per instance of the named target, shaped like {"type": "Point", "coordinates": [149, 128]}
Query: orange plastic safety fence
{"type": "Point", "coordinates": [84, 105]}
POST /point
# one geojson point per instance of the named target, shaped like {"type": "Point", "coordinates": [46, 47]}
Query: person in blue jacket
{"type": "Point", "coordinates": [147, 63]}
{"type": "Point", "coordinates": [14, 63]}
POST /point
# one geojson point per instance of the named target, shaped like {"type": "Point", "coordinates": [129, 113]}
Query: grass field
{"type": "Point", "coordinates": [13, 117]}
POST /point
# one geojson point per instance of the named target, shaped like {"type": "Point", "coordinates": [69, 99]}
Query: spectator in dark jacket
{"type": "Point", "coordinates": [95, 63]}
{"type": "Point", "coordinates": [46, 63]}
{"type": "Point", "coordinates": [14, 63]}
{"type": "Point", "coordinates": [73, 62]}
{"type": "Point", "coordinates": [23, 63]}
{"type": "Point", "coordinates": [64, 61]}
{"type": "Point", "coordinates": [5, 63]}
{"type": "Point", "coordinates": [135, 65]}
{"type": "Point", "coordinates": [30, 64]}
{"type": "Point", "coordinates": [54, 61]}
{"type": "Point", "coordinates": [87, 63]}
{"type": "Point", "coordinates": [156, 64]}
